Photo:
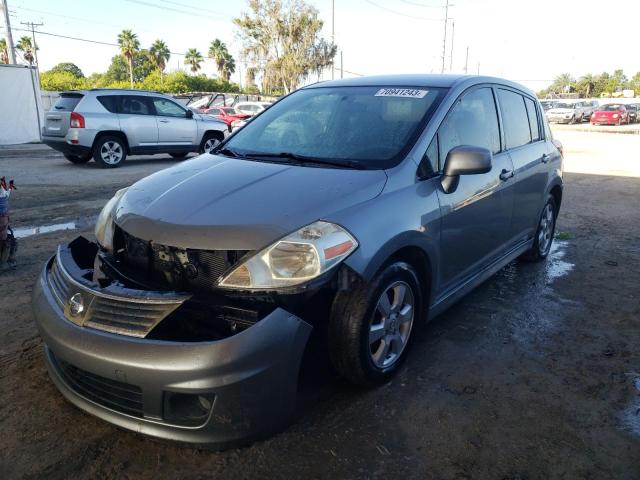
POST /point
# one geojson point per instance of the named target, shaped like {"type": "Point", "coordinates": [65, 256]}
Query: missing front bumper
{"type": "Point", "coordinates": [246, 383]}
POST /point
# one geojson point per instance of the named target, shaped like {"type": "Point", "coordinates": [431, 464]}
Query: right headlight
{"type": "Point", "coordinates": [104, 224]}
{"type": "Point", "coordinates": [297, 258]}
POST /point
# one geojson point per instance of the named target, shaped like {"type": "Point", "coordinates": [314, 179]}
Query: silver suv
{"type": "Point", "coordinates": [109, 124]}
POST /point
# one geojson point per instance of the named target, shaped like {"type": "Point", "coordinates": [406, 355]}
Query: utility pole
{"type": "Point", "coordinates": [478, 68]}
{"type": "Point", "coordinates": [33, 37]}
{"type": "Point", "coordinates": [453, 32]}
{"type": "Point", "coordinates": [7, 23]}
{"type": "Point", "coordinates": [444, 40]}
{"type": "Point", "coordinates": [466, 61]}
{"type": "Point", "coordinates": [341, 66]}
{"type": "Point", "coordinates": [333, 35]}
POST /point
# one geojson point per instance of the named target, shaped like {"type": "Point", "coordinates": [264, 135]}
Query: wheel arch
{"type": "Point", "coordinates": [115, 133]}
{"type": "Point", "coordinates": [556, 192]}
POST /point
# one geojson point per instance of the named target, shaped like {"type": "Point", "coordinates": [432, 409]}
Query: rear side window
{"type": "Point", "coordinates": [110, 102]}
{"type": "Point", "coordinates": [533, 119]}
{"type": "Point", "coordinates": [472, 121]}
{"type": "Point", "coordinates": [133, 105]}
{"type": "Point", "coordinates": [67, 102]}
{"type": "Point", "coordinates": [515, 118]}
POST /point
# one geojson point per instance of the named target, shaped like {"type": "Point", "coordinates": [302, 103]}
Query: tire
{"type": "Point", "coordinates": [110, 151]}
{"type": "Point", "coordinates": [77, 158]}
{"type": "Point", "coordinates": [544, 233]}
{"type": "Point", "coordinates": [179, 155]}
{"type": "Point", "coordinates": [573, 120]}
{"type": "Point", "coordinates": [619, 122]}
{"type": "Point", "coordinates": [358, 330]}
{"type": "Point", "coordinates": [209, 141]}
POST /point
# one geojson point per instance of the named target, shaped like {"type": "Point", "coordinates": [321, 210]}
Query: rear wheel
{"type": "Point", "coordinates": [371, 327]}
{"type": "Point", "coordinates": [78, 158]}
{"type": "Point", "coordinates": [209, 142]}
{"type": "Point", "coordinates": [109, 151]}
{"type": "Point", "coordinates": [544, 233]}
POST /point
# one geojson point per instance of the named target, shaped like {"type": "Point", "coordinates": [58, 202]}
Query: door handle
{"type": "Point", "coordinates": [163, 121]}
{"type": "Point", "coordinates": [506, 174]}
{"type": "Point", "coordinates": [545, 158]}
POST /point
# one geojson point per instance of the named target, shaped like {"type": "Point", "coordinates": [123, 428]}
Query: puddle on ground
{"type": "Point", "coordinates": [24, 232]}
{"type": "Point", "coordinates": [631, 416]}
{"type": "Point", "coordinates": [557, 266]}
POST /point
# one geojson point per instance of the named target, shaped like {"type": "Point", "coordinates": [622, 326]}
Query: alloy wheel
{"type": "Point", "coordinates": [545, 230]}
{"type": "Point", "coordinates": [210, 144]}
{"type": "Point", "coordinates": [111, 152]}
{"type": "Point", "coordinates": [391, 324]}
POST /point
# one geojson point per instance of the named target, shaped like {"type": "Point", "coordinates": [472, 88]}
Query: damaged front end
{"type": "Point", "coordinates": [141, 337]}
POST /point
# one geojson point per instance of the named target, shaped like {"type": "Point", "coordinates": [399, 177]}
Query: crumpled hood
{"type": "Point", "coordinates": [220, 203]}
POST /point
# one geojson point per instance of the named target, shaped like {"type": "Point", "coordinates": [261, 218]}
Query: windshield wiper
{"type": "Point", "coordinates": [227, 152]}
{"type": "Point", "coordinates": [302, 159]}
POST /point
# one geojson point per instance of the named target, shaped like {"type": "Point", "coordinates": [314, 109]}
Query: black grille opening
{"type": "Point", "coordinates": [119, 396]}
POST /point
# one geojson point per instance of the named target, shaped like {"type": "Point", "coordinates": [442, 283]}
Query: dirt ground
{"type": "Point", "coordinates": [534, 375]}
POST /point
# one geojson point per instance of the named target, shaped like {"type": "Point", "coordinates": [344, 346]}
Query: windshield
{"type": "Point", "coordinates": [372, 125]}
{"type": "Point", "coordinates": [566, 105]}
{"type": "Point", "coordinates": [229, 111]}
{"type": "Point", "coordinates": [612, 107]}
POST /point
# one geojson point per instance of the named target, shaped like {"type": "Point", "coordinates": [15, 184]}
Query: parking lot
{"type": "Point", "coordinates": [536, 374]}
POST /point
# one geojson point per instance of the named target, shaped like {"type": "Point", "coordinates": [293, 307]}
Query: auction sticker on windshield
{"type": "Point", "coordinates": [401, 92]}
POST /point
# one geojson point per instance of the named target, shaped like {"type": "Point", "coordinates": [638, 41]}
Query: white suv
{"type": "Point", "coordinates": [109, 124]}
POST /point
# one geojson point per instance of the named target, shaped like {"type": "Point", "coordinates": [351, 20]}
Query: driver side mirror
{"type": "Point", "coordinates": [464, 160]}
{"type": "Point", "coordinates": [189, 114]}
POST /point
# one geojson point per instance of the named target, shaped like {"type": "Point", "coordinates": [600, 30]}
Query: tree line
{"type": "Point", "coordinates": [593, 85]}
{"type": "Point", "coordinates": [281, 47]}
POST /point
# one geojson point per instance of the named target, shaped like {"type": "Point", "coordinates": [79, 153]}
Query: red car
{"type": "Point", "coordinates": [610, 114]}
{"type": "Point", "coordinates": [226, 114]}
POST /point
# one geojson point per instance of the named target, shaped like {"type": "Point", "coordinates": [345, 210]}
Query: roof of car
{"type": "Point", "coordinates": [416, 80]}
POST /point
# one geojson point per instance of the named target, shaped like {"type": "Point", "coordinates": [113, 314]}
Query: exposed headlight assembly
{"type": "Point", "coordinates": [104, 224]}
{"type": "Point", "coordinates": [294, 259]}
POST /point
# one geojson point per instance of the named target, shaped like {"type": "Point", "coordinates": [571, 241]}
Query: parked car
{"type": "Point", "coordinates": [251, 108]}
{"type": "Point", "coordinates": [567, 112]}
{"type": "Point", "coordinates": [227, 114]}
{"type": "Point", "coordinates": [632, 111]}
{"type": "Point", "coordinates": [610, 114]}
{"type": "Point", "coordinates": [589, 106]}
{"type": "Point", "coordinates": [109, 124]}
{"type": "Point", "coordinates": [187, 319]}
{"type": "Point", "coordinates": [548, 104]}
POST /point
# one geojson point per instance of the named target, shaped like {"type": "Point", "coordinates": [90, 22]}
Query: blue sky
{"type": "Point", "coordinates": [530, 41]}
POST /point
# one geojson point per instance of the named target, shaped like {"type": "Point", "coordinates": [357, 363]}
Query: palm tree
{"type": "Point", "coordinates": [129, 46]}
{"type": "Point", "coordinates": [160, 55]}
{"type": "Point", "coordinates": [4, 52]}
{"type": "Point", "coordinates": [193, 58]}
{"type": "Point", "coordinates": [26, 47]}
{"type": "Point", "coordinates": [589, 82]}
{"type": "Point", "coordinates": [217, 52]}
{"type": "Point", "coordinates": [229, 67]}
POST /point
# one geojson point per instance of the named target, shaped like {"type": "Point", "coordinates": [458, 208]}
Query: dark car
{"type": "Point", "coordinates": [632, 111]}
{"type": "Point", "coordinates": [189, 316]}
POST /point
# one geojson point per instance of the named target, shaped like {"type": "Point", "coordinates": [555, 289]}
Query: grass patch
{"type": "Point", "coordinates": [563, 236]}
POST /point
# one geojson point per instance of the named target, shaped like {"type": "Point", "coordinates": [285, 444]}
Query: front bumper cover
{"type": "Point", "coordinates": [251, 376]}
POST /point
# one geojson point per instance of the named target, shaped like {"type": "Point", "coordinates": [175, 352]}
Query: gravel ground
{"type": "Point", "coordinates": [534, 375]}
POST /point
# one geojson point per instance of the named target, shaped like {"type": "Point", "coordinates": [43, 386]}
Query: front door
{"type": "Point", "coordinates": [175, 127]}
{"type": "Point", "coordinates": [476, 216]}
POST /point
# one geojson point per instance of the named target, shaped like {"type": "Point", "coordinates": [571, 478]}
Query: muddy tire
{"type": "Point", "coordinates": [544, 233]}
{"type": "Point", "coordinates": [78, 159]}
{"type": "Point", "coordinates": [372, 326]}
{"type": "Point", "coordinates": [109, 151]}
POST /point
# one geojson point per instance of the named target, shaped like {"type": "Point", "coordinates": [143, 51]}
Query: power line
{"type": "Point", "coordinates": [198, 9]}
{"type": "Point", "coordinates": [421, 4]}
{"type": "Point", "coordinates": [177, 10]}
{"type": "Point", "coordinates": [398, 13]}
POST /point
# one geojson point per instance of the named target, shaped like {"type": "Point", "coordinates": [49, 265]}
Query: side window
{"type": "Point", "coordinates": [110, 102]}
{"type": "Point", "coordinates": [472, 121]}
{"type": "Point", "coordinates": [515, 118]}
{"type": "Point", "coordinates": [429, 164]}
{"type": "Point", "coordinates": [166, 108]}
{"type": "Point", "coordinates": [136, 105]}
{"type": "Point", "coordinates": [214, 111]}
{"type": "Point", "coordinates": [533, 119]}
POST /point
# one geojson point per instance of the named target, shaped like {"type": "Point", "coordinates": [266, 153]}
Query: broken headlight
{"type": "Point", "coordinates": [294, 259]}
{"type": "Point", "coordinates": [104, 224]}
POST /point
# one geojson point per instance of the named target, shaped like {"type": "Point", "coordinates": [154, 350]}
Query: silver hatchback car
{"type": "Point", "coordinates": [108, 124]}
{"type": "Point", "coordinates": [352, 210]}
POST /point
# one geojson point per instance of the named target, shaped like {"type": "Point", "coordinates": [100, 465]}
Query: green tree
{"type": "Point", "coordinates": [634, 83]}
{"type": "Point", "coordinates": [118, 70]}
{"type": "Point", "coordinates": [4, 52]}
{"type": "Point", "coordinates": [193, 58]}
{"type": "Point", "coordinates": [283, 40]}
{"type": "Point", "coordinates": [71, 68]}
{"type": "Point", "coordinates": [585, 85]}
{"type": "Point", "coordinates": [616, 82]}
{"type": "Point", "coordinates": [217, 52]}
{"type": "Point", "coordinates": [229, 67]}
{"type": "Point", "coordinates": [57, 81]}
{"type": "Point", "coordinates": [160, 54]}
{"type": "Point", "coordinates": [25, 46]}
{"type": "Point", "coordinates": [129, 46]}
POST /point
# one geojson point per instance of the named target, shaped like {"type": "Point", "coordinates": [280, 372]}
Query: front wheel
{"type": "Point", "coordinates": [77, 158]}
{"type": "Point", "coordinates": [110, 151]}
{"type": "Point", "coordinates": [371, 326]}
{"type": "Point", "coordinates": [209, 142]}
{"type": "Point", "coordinates": [544, 233]}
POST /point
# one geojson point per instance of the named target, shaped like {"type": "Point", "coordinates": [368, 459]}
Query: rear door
{"type": "Point", "coordinates": [525, 143]}
{"type": "Point", "coordinates": [476, 216]}
{"type": "Point", "coordinates": [137, 121]}
{"type": "Point", "coordinates": [175, 128]}
{"type": "Point", "coordinates": [57, 120]}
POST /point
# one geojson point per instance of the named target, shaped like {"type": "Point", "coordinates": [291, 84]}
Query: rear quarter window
{"type": "Point", "coordinates": [515, 118]}
{"type": "Point", "coordinates": [533, 119]}
{"type": "Point", "coordinates": [110, 102]}
{"type": "Point", "coordinates": [67, 102]}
